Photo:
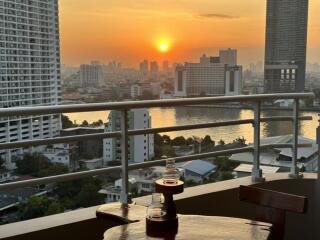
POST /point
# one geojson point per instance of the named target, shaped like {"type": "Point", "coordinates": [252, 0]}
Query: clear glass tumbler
{"type": "Point", "coordinates": [156, 210]}
{"type": "Point", "coordinates": [171, 174]}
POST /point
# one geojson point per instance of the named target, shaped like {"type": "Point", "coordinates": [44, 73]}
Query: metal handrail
{"type": "Point", "coordinates": [117, 134]}
{"type": "Point", "coordinates": [124, 133]}
{"type": "Point", "coordinates": [25, 111]}
{"type": "Point", "coordinates": [135, 166]}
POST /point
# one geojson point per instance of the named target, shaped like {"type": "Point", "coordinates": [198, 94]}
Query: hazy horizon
{"type": "Point", "coordinates": [130, 31]}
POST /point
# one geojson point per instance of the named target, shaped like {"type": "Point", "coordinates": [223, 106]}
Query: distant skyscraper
{"type": "Point", "coordinates": [228, 56]}
{"type": "Point", "coordinates": [286, 41]}
{"type": "Point", "coordinates": [154, 67]}
{"type": "Point", "coordinates": [91, 75]}
{"type": "Point", "coordinates": [29, 69]}
{"type": "Point", "coordinates": [144, 67]}
{"type": "Point", "coordinates": [165, 66]}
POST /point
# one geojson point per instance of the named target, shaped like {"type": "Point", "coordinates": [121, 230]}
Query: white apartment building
{"type": "Point", "coordinates": [91, 75]}
{"type": "Point", "coordinates": [136, 91]}
{"type": "Point", "coordinates": [141, 147]}
{"type": "Point", "coordinates": [29, 69]}
{"type": "Point", "coordinates": [206, 78]}
{"type": "Point", "coordinates": [210, 77]}
{"type": "Point", "coordinates": [233, 80]}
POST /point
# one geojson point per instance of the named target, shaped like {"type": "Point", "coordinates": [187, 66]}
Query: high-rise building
{"type": "Point", "coordinates": [154, 67]}
{"type": "Point", "coordinates": [91, 75]}
{"type": "Point", "coordinates": [144, 67]}
{"type": "Point", "coordinates": [228, 56]}
{"type": "Point", "coordinates": [210, 77]}
{"type": "Point", "coordinates": [29, 69]}
{"type": "Point", "coordinates": [141, 147]}
{"type": "Point", "coordinates": [286, 41]}
{"type": "Point", "coordinates": [165, 66]}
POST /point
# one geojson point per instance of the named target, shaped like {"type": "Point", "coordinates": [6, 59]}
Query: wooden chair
{"type": "Point", "coordinates": [272, 206]}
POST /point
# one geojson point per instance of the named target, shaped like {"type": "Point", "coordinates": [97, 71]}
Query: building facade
{"type": "Point", "coordinates": [29, 69]}
{"type": "Point", "coordinates": [91, 75]}
{"type": "Point", "coordinates": [233, 80]}
{"type": "Point", "coordinates": [141, 147]}
{"type": "Point", "coordinates": [209, 77]}
{"type": "Point", "coordinates": [228, 56]}
{"type": "Point", "coordinates": [286, 43]}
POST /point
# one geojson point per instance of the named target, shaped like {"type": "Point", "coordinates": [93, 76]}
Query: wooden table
{"type": "Point", "coordinates": [193, 227]}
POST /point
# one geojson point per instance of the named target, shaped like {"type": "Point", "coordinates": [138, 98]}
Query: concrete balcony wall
{"type": "Point", "coordinates": [219, 199]}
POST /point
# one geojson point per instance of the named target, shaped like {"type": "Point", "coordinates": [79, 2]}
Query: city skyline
{"type": "Point", "coordinates": [110, 30]}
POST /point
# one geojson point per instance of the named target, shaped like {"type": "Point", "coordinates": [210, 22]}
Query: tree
{"type": "Point", "coordinates": [158, 139]}
{"type": "Point", "coordinates": [89, 196]}
{"type": "Point", "coordinates": [178, 141]}
{"type": "Point", "coordinates": [55, 207]}
{"type": "Point", "coordinates": [79, 193]}
{"type": "Point", "coordinates": [35, 207]}
{"type": "Point", "coordinates": [85, 123]}
{"type": "Point", "coordinates": [226, 176]}
{"type": "Point", "coordinates": [190, 141]}
{"type": "Point", "coordinates": [207, 141]}
{"type": "Point", "coordinates": [221, 142]}
{"type": "Point", "coordinates": [166, 139]}
{"type": "Point", "coordinates": [240, 140]}
{"type": "Point", "coordinates": [54, 169]}
{"type": "Point", "coordinates": [32, 164]}
{"type": "Point", "coordinates": [97, 124]}
{"type": "Point", "coordinates": [190, 183]}
{"type": "Point", "coordinates": [66, 122]}
{"type": "Point", "coordinates": [223, 163]}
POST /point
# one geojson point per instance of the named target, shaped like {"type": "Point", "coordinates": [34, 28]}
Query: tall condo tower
{"type": "Point", "coordinates": [285, 49]}
{"type": "Point", "coordinates": [29, 69]}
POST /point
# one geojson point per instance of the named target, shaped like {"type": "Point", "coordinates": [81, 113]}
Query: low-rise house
{"type": "Point", "coordinates": [5, 175]}
{"type": "Point", "coordinates": [92, 164]}
{"type": "Point", "coordinates": [197, 170]}
{"type": "Point", "coordinates": [282, 157]}
{"type": "Point", "coordinates": [245, 170]}
{"type": "Point", "coordinates": [140, 182]}
{"type": "Point", "coordinates": [58, 153]}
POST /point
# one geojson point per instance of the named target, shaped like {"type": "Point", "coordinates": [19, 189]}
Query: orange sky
{"type": "Point", "coordinates": [130, 30]}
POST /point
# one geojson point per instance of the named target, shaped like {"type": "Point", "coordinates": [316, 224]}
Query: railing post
{"type": "Point", "coordinates": [295, 172]}
{"type": "Point", "coordinates": [318, 142]}
{"type": "Point", "coordinates": [124, 195]}
{"type": "Point", "coordinates": [256, 171]}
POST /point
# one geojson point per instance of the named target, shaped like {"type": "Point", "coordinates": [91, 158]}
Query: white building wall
{"type": "Point", "coordinates": [180, 82]}
{"type": "Point", "coordinates": [141, 147]}
{"type": "Point", "coordinates": [234, 81]}
{"type": "Point", "coordinates": [91, 75]}
{"type": "Point", "coordinates": [29, 70]}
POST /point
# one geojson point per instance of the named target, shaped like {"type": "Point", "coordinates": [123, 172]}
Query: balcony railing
{"type": "Point", "coordinates": [124, 107]}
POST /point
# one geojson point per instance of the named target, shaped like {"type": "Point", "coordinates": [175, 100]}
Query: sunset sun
{"type": "Point", "coordinates": [164, 47]}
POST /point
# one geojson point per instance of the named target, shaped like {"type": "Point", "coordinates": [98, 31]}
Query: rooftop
{"type": "Point", "coordinates": [198, 166]}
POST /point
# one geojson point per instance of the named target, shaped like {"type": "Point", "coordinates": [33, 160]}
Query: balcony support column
{"type": "Point", "coordinates": [124, 195]}
{"type": "Point", "coordinates": [295, 171]}
{"type": "Point", "coordinates": [318, 142]}
{"type": "Point", "coordinates": [256, 171]}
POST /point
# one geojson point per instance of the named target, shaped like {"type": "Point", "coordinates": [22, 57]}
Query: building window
{"type": "Point", "coordinates": [180, 80]}
{"type": "Point", "coordinates": [231, 87]}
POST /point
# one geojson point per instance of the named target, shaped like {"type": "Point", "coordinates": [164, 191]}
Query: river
{"type": "Point", "coordinates": [162, 117]}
